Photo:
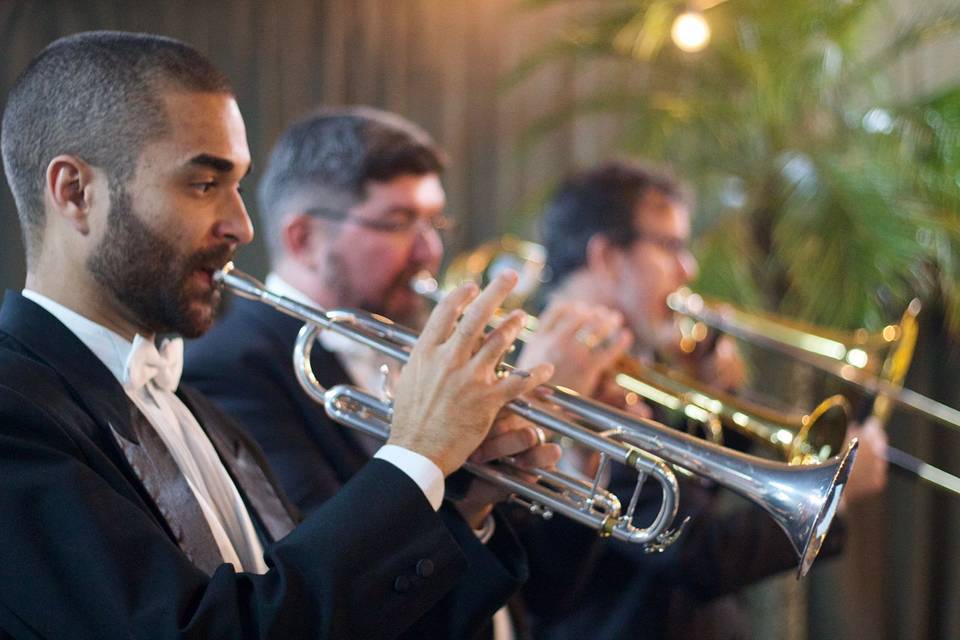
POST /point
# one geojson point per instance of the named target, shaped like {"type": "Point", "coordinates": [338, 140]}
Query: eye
{"type": "Point", "coordinates": [399, 221]}
{"type": "Point", "coordinates": [204, 187]}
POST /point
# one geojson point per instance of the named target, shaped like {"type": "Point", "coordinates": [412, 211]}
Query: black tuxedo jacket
{"type": "Point", "coordinates": [245, 365]}
{"type": "Point", "coordinates": [100, 538]}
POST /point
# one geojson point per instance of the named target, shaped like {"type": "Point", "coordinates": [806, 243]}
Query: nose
{"type": "Point", "coordinates": [688, 266]}
{"type": "Point", "coordinates": [234, 224]}
{"type": "Point", "coordinates": [427, 246]}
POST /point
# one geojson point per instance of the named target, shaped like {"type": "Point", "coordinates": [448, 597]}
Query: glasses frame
{"type": "Point", "coordinates": [440, 223]}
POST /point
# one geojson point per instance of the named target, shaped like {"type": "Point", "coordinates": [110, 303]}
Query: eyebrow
{"type": "Point", "coordinates": [410, 211]}
{"type": "Point", "coordinates": [218, 164]}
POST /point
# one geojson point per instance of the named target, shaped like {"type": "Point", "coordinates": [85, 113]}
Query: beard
{"type": "Point", "coordinates": [339, 282]}
{"type": "Point", "coordinates": [151, 278]}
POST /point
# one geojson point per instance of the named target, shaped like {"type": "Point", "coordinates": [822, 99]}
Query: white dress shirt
{"type": "Point", "coordinates": [220, 502]}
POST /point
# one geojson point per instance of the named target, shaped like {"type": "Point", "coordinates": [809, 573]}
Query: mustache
{"type": "Point", "coordinates": [211, 259]}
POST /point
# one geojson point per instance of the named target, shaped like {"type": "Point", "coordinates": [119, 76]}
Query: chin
{"type": "Point", "coordinates": [411, 315]}
{"type": "Point", "coordinates": [197, 319]}
{"type": "Point", "coordinates": [195, 327]}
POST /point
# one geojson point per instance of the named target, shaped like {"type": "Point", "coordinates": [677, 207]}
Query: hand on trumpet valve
{"type": "Point", "coordinates": [581, 341]}
{"type": "Point", "coordinates": [449, 392]}
{"type": "Point", "coordinates": [526, 446]}
{"type": "Point", "coordinates": [869, 475]}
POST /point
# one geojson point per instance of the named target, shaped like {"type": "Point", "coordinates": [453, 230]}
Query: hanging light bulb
{"type": "Point", "coordinates": [690, 31]}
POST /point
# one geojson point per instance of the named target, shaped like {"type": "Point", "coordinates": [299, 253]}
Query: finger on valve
{"type": "Point", "coordinates": [521, 441]}
{"type": "Point", "coordinates": [449, 393]}
{"type": "Point", "coordinates": [582, 342]}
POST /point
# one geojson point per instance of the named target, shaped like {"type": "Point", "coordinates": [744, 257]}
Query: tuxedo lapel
{"type": "Point", "coordinates": [122, 428]}
{"type": "Point", "coordinates": [244, 467]}
{"type": "Point", "coordinates": [331, 373]}
{"type": "Point", "coordinates": [344, 449]}
{"type": "Point", "coordinates": [153, 464]}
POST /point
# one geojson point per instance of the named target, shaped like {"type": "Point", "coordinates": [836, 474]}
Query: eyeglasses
{"type": "Point", "coordinates": [438, 223]}
{"type": "Point", "coordinates": [671, 244]}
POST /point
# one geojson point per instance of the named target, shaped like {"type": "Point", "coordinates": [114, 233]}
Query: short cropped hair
{"type": "Point", "coordinates": [95, 95]}
{"type": "Point", "coordinates": [328, 158]}
{"type": "Point", "coordinates": [598, 200]}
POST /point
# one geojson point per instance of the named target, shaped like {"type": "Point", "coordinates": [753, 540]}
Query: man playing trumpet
{"type": "Point", "coordinates": [133, 507]}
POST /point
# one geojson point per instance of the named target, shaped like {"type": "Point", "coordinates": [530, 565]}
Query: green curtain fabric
{"type": "Point", "coordinates": [440, 63]}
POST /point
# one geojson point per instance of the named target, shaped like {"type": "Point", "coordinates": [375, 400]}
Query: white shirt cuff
{"type": "Point", "coordinates": [485, 532]}
{"type": "Point", "coordinates": [421, 470]}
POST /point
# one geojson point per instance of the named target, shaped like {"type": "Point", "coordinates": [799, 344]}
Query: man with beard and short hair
{"type": "Point", "coordinates": [353, 208]}
{"type": "Point", "coordinates": [132, 506]}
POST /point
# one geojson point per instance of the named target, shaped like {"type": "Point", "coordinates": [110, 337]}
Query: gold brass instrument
{"type": "Point", "coordinates": [797, 438]}
{"type": "Point", "coordinates": [801, 499]}
{"type": "Point", "coordinates": [876, 363]}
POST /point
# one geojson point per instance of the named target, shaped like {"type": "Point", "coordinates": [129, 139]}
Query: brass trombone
{"type": "Point", "coordinates": [802, 500]}
{"type": "Point", "coordinates": [876, 363]}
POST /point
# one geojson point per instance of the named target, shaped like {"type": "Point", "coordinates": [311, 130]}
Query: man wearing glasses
{"type": "Point", "coordinates": [352, 206]}
{"type": "Point", "coordinates": [617, 236]}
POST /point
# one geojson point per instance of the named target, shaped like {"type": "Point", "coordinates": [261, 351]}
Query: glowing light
{"type": "Point", "coordinates": [858, 358]}
{"type": "Point", "coordinates": [783, 436]}
{"type": "Point", "coordinates": [699, 331]}
{"type": "Point", "coordinates": [690, 31]}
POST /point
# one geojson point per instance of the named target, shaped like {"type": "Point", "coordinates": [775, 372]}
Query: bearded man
{"type": "Point", "coordinates": [132, 506]}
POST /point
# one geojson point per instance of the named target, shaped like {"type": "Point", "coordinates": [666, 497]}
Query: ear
{"type": "Point", "coordinates": [299, 235]}
{"type": "Point", "coordinates": [603, 258]}
{"type": "Point", "coordinates": [69, 188]}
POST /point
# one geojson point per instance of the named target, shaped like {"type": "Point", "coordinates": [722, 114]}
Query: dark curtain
{"type": "Point", "coordinates": [441, 63]}
{"type": "Point", "coordinates": [438, 62]}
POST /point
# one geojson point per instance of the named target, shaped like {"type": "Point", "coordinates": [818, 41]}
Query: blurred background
{"type": "Point", "coordinates": [821, 138]}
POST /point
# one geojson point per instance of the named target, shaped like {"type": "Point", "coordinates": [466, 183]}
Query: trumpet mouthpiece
{"type": "Point", "coordinates": [242, 284]}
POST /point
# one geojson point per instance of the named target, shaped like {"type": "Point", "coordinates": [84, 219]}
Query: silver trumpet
{"type": "Point", "coordinates": [801, 499]}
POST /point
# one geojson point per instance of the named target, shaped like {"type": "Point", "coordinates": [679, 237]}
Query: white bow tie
{"type": "Point", "coordinates": [146, 363]}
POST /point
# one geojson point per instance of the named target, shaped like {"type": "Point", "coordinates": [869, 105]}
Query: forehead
{"type": "Point", "coordinates": [655, 211]}
{"type": "Point", "coordinates": [201, 123]}
{"type": "Point", "coordinates": [407, 191]}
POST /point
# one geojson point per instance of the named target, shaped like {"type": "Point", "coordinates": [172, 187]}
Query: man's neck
{"type": "Point", "coordinates": [308, 283]}
{"type": "Point", "coordinates": [84, 300]}
{"type": "Point", "coordinates": [580, 286]}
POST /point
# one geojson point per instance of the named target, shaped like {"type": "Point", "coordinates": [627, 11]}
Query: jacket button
{"type": "Point", "coordinates": [401, 584]}
{"type": "Point", "coordinates": [425, 568]}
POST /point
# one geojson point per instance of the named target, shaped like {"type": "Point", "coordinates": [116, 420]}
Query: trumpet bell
{"type": "Point", "coordinates": [818, 492]}
{"type": "Point", "coordinates": [801, 499]}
